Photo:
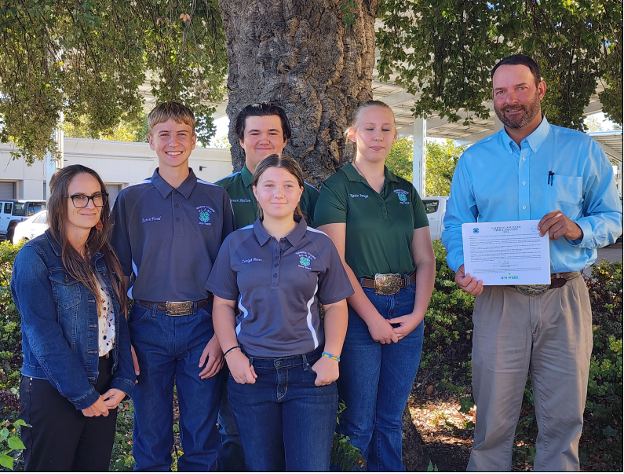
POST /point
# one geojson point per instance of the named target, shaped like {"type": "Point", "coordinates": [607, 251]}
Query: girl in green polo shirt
{"type": "Point", "coordinates": [379, 226]}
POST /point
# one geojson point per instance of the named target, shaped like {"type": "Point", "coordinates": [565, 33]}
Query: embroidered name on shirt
{"type": "Point", "coordinates": [240, 200]}
{"type": "Point", "coordinates": [365, 196]}
{"type": "Point", "coordinates": [204, 214]}
{"type": "Point", "coordinates": [249, 260]}
{"type": "Point", "coordinates": [305, 259]}
{"type": "Point", "coordinates": [150, 219]}
{"type": "Point", "coordinates": [402, 195]}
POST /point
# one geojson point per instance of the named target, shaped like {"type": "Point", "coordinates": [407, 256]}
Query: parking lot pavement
{"type": "Point", "coordinates": [612, 253]}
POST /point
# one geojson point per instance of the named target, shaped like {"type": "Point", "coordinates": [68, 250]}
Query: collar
{"type": "Point", "coordinates": [246, 176]}
{"type": "Point", "coordinates": [534, 141]}
{"type": "Point", "coordinates": [294, 237]}
{"type": "Point", "coordinates": [165, 189]}
{"type": "Point", "coordinates": [56, 247]}
{"type": "Point", "coordinates": [354, 176]}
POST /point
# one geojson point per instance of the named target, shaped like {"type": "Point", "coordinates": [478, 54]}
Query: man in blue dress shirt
{"type": "Point", "coordinates": [532, 170]}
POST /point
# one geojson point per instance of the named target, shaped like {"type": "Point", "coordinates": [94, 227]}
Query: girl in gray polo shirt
{"type": "Point", "coordinates": [268, 280]}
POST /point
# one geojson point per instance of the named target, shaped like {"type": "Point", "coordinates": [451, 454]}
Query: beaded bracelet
{"type": "Point", "coordinates": [235, 348]}
{"type": "Point", "coordinates": [331, 356]}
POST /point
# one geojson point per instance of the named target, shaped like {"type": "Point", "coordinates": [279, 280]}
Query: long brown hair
{"type": "Point", "coordinates": [278, 161]}
{"type": "Point", "coordinates": [79, 267]}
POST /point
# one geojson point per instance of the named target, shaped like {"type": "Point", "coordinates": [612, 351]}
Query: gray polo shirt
{"type": "Point", "coordinates": [277, 286]}
{"type": "Point", "coordinates": [169, 238]}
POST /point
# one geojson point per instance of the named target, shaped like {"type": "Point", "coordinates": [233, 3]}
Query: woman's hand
{"type": "Point", "coordinates": [99, 408]}
{"type": "Point", "coordinates": [382, 332]}
{"type": "Point", "coordinates": [326, 371]}
{"type": "Point", "coordinates": [239, 366]}
{"type": "Point", "coordinates": [113, 397]}
{"type": "Point", "coordinates": [407, 323]}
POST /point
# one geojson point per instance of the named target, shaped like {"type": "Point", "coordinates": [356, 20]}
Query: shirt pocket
{"type": "Point", "coordinates": [566, 195]}
{"type": "Point", "coordinates": [66, 289]}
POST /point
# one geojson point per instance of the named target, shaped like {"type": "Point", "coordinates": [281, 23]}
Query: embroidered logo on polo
{"type": "Point", "coordinates": [305, 259]}
{"type": "Point", "coordinates": [365, 196]}
{"type": "Point", "coordinates": [150, 219]}
{"type": "Point", "coordinates": [250, 260]}
{"type": "Point", "coordinates": [204, 214]}
{"type": "Point", "coordinates": [402, 195]}
{"type": "Point", "coordinates": [240, 200]}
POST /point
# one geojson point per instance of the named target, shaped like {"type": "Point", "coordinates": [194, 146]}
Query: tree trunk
{"type": "Point", "coordinates": [300, 55]}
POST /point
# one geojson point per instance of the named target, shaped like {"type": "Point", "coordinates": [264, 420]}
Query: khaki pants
{"type": "Point", "coordinates": [550, 336]}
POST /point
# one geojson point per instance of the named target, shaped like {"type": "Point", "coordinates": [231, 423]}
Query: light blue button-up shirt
{"type": "Point", "coordinates": [495, 180]}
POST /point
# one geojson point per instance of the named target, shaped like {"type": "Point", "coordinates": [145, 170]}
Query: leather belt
{"type": "Point", "coordinates": [176, 308]}
{"type": "Point", "coordinates": [557, 280]}
{"type": "Point", "coordinates": [389, 283]}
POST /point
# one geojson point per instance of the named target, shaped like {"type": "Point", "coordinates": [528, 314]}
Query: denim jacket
{"type": "Point", "coordinates": [60, 324]}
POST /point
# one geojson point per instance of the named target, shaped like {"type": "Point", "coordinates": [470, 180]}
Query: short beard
{"type": "Point", "coordinates": [530, 112]}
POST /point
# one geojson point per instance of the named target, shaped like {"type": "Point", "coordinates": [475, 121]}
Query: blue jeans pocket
{"type": "Point", "coordinates": [138, 314]}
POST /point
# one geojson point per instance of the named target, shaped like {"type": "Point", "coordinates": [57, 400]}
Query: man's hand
{"type": "Point", "coordinates": [467, 283]}
{"type": "Point", "coordinates": [558, 225]}
{"type": "Point", "coordinates": [212, 358]}
{"type": "Point", "coordinates": [135, 361]}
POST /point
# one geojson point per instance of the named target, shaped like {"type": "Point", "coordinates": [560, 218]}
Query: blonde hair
{"type": "Point", "coordinates": [366, 105]}
{"type": "Point", "coordinates": [170, 110]}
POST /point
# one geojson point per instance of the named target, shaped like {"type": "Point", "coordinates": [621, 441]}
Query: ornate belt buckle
{"type": "Point", "coordinates": [179, 308]}
{"type": "Point", "coordinates": [532, 290]}
{"type": "Point", "coordinates": [387, 283]}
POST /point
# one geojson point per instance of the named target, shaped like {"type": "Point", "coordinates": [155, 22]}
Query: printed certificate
{"type": "Point", "coordinates": [506, 253]}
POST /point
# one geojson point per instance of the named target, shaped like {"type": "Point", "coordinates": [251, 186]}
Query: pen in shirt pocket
{"type": "Point", "coordinates": [551, 178]}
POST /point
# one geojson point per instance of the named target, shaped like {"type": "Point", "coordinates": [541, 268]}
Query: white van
{"type": "Point", "coordinates": [435, 206]}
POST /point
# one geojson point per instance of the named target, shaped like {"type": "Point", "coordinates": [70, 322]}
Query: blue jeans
{"type": "Point", "coordinates": [168, 349]}
{"type": "Point", "coordinates": [286, 422]}
{"type": "Point", "coordinates": [232, 457]}
{"type": "Point", "coordinates": [375, 382]}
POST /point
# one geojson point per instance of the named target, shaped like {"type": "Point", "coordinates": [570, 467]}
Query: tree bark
{"type": "Point", "coordinates": [300, 55]}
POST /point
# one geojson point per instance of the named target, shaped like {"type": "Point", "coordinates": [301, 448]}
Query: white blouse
{"type": "Point", "coordinates": [106, 320]}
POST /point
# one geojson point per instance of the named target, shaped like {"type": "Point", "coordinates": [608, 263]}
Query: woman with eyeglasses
{"type": "Point", "coordinates": [77, 367]}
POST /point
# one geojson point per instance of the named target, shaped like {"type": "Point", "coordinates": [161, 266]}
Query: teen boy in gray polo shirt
{"type": "Point", "coordinates": [262, 129]}
{"type": "Point", "coordinates": [167, 233]}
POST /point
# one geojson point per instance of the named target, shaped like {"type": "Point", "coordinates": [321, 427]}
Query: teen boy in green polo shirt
{"type": "Point", "coordinates": [262, 129]}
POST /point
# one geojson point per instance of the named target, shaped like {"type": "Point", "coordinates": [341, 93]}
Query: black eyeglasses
{"type": "Point", "coordinates": [82, 200]}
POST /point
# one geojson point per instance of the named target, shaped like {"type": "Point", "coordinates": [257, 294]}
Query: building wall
{"type": "Point", "coordinates": [118, 163]}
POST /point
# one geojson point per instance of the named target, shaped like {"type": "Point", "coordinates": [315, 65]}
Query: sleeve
{"type": "Point", "coordinates": [222, 280]}
{"type": "Point", "coordinates": [333, 284]}
{"type": "Point", "coordinates": [229, 223]}
{"type": "Point", "coordinates": [308, 202]}
{"type": "Point", "coordinates": [602, 209]}
{"type": "Point", "coordinates": [120, 238]}
{"type": "Point", "coordinates": [461, 208]}
{"type": "Point", "coordinates": [420, 214]}
{"type": "Point", "coordinates": [43, 334]}
{"type": "Point", "coordinates": [331, 206]}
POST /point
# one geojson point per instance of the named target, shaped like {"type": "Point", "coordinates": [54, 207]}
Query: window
{"type": "Point", "coordinates": [8, 207]}
{"type": "Point", "coordinates": [431, 206]}
{"type": "Point", "coordinates": [20, 209]}
{"type": "Point", "coordinates": [35, 207]}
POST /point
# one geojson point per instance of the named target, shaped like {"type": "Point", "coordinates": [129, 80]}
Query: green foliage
{"type": "Point", "coordinates": [347, 8]}
{"type": "Point", "coordinates": [431, 467]}
{"type": "Point", "coordinates": [401, 158]}
{"type": "Point", "coordinates": [443, 52]}
{"type": "Point", "coordinates": [89, 58]}
{"type": "Point", "coordinates": [134, 131]}
{"type": "Point", "coordinates": [343, 453]}
{"type": "Point", "coordinates": [441, 162]}
{"type": "Point", "coordinates": [10, 442]}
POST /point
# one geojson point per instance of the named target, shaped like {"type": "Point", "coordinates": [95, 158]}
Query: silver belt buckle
{"type": "Point", "coordinates": [178, 308]}
{"type": "Point", "coordinates": [532, 290]}
{"type": "Point", "coordinates": [387, 283]}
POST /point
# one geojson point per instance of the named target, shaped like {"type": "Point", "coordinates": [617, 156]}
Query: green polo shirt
{"type": "Point", "coordinates": [244, 204]}
{"type": "Point", "coordinates": [380, 226]}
